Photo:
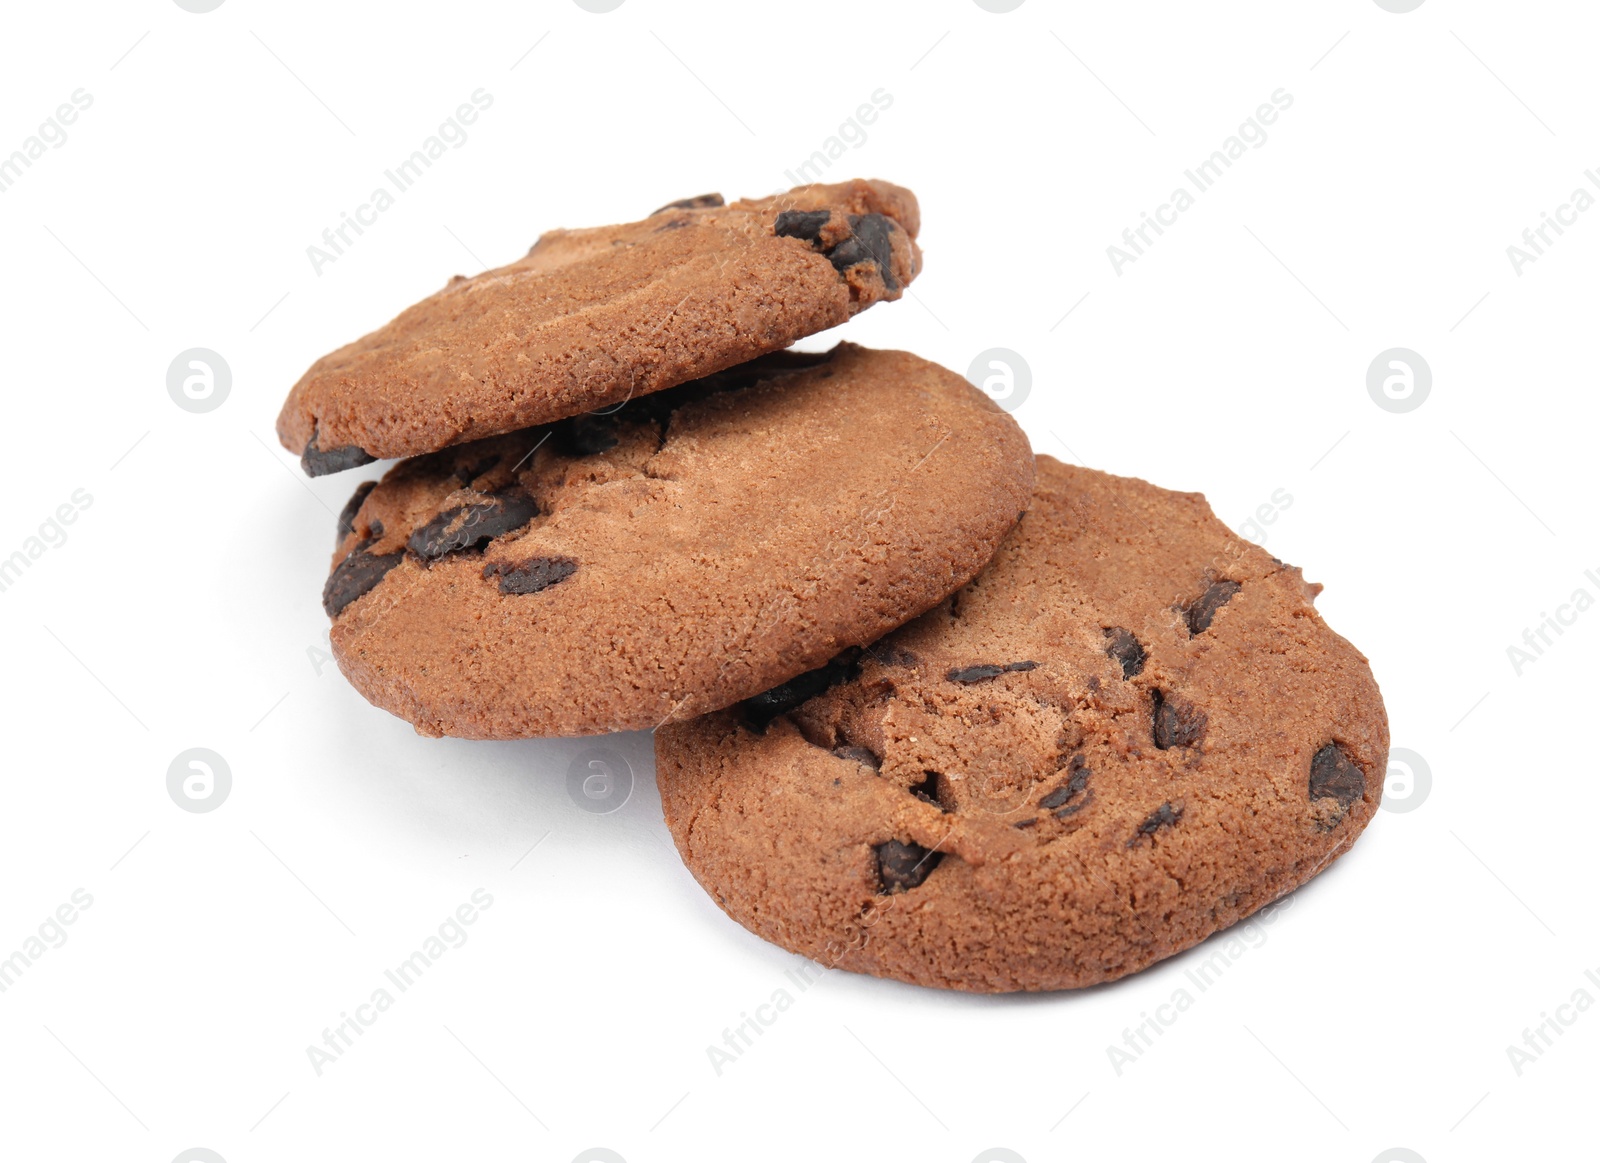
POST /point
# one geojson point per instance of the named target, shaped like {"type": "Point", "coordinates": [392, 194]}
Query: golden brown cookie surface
{"type": "Point", "coordinates": [592, 317]}
{"type": "Point", "coordinates": [1130, 731]}
{"type": "Point", "coordinates": [696, 547]}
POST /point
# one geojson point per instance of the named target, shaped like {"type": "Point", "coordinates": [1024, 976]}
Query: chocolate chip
{"type": "Point", "coordinates": [886, 655]}
{"type": "Point", "coordinates": [806, 224]}
{"type": "Point", "coordinates": [1199, 612]}
{"type": "Point", "coordinates": [347, 515]}
{"type": "Point", "coordinates": [928, 789]}
{"type": "Point", "coordinates": [587, 435]}
{"type": "Point", "coordinates": [1163, 817]}
{"type": "Point", "coordinates": [1060, 799]}
{"type": "Point", "coordinates": [473, 469]}
{"type": "Point", "coordinates": [759, 710]}
{"type": "Point", "coordinates": [1125, 649]}
{"type": "Point", "coordinates": [531, 576]}
{"type": "Point", "coordinates": [699, 202]}
{"type": "Point", "coordinates": [318, 462]}
{"type": "Point", "coordinates": [904, 866]}
{"type": "Point", "coordinates": [986, 671]}
{"type": "Point", "coordinates": [472, 526]}
{"type": "Point", "coordinates": [354, 576]}
{"type": "Point", "coordinates": [1056, 798]}
{"type": "Point", "coordinates": [861, 755]}
{"type": "Point", "coordinates": [869, 242]}
{"type": "Point", "coordinates": [1175, 724]}
{"type": "Point", "coordinates": [1332, 774]}
{"type": "Point", "coordinates": [374, 529]}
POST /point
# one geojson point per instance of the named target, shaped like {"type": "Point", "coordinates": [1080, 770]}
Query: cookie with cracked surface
{"type": "Point", "coordinates": [592, 317]}
{"type": "Point", "coordinates": [1130, 731]}
{"type": "Point", "coordinates": [694, 548]}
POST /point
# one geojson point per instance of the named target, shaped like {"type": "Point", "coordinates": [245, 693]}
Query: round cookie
{"type": "Point", "coordinates": [1130, 731]}
{"type": "Point", "coordinates": [615, 572]}
{"type": "Point", "coordinates": [592, 317]}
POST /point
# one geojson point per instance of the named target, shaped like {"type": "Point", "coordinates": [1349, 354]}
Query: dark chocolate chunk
{"type": "Point", "coordinates": [699, 202]}
{"type": "Point", "coordinates": [587, 435]}
{"type": "Point", "coordinates": [318, 462]}
{"type": "Point", "coordinates": [904, 866]}
{"type": "Point", "coordinates": [869, 242]}
{"type": "Point", "coordinates": [347, 515]}
{"type": "Point", "coordinates": [1058, 797]}
{"type": "Point", "coordinates": [1332, 774]}
{"type": "Point", "coordinates": [1199, 612]}
{"type": "Point", "coordinates": [472, 526]}
{"type": "Point", "coordinates": [473, 469]}
{"type": "Point", "coordinates": [861, 755]}
{"type": "Point", "coordinates": [1163, 817]}
{"type": "Point", "coordinates": [759, 710]}
{"type": "Point", "coordinates": [986, 671]}
{"type": "Point", "coordinates": [886, 655]}
{"type": "Point", "coordinates": [1060, 800]}
{"type": "Point", "coordinates": [1125, 649]}
{"type": "Point", "coordinates": [1175, 723]}
{"type": "Point", "coordinates": [928, 789]}
{"type": "Point", "coordinates": [806, 224]}
{"type": "Point", "coordinates": [531, 576]}
{"type": "Point", "coordinates": [354, 576]}
{"type": "Point", "coordinates": [374, 529]}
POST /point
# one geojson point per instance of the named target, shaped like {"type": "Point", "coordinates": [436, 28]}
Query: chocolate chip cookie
{"type": "Point", "coordinates": [592, 317]}
{"type": "Point", "coordinates": [1130, 731]}
{"type": "Point", "coordinates": [693, 548]}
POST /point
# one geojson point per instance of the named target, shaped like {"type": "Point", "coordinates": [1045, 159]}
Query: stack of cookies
{"type": "Point", "coordinates": [926, 706]}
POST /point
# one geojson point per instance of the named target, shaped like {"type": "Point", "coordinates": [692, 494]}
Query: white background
{"type": "Point", "coordinates": [182, 609]}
